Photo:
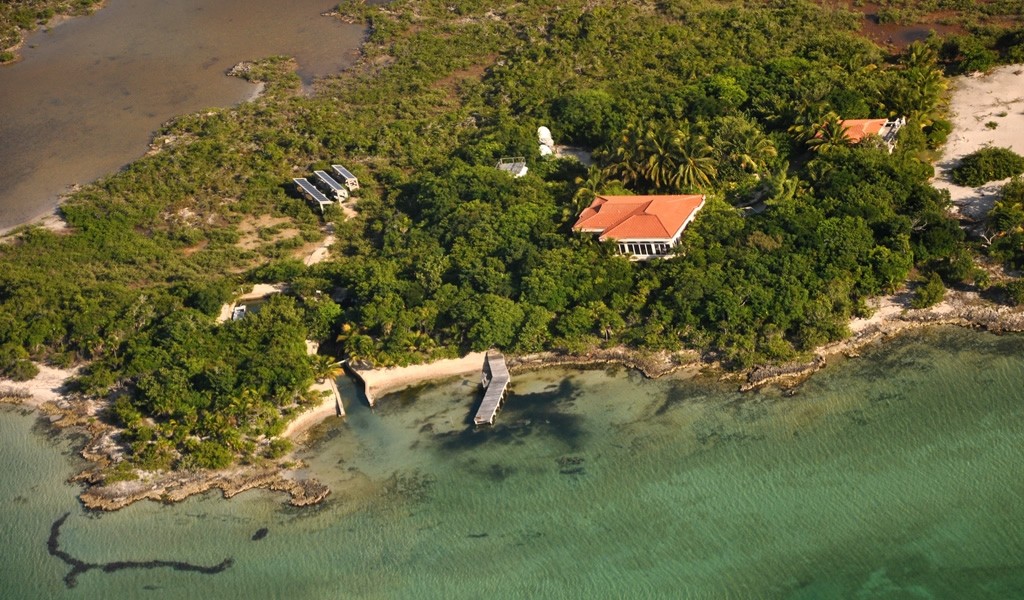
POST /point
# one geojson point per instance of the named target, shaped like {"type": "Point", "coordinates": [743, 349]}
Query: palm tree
{"type": "Point", "coordinates": [919, 56]}
{"type": "Point", "coordinates": [917, 91]}
{"type": "Point", "coordinates": [696, 163]}
{"type": "Point", "coordinates": [780, 187]}
{"type": "Point", "coordinates": [807, 119]}
{"type": "Point", "coordinates": [923, 98]}
{"type": "Point", "coordinates": [628, 165]}
{"type": "Point", "coordinates": [741, 143]}
{"type": "Point", "coordinates": [660, 150]}
{"type": "Point", "coordinates": [831, 134]}
{"type": "Point", "coordinates": [326, 367]}
{"type": "Point", "coordinates": [590, 186]}
{"type": "Point", "coordinates": [664, 158]}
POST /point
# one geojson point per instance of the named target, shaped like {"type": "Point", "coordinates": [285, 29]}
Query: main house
{"type": "Point", "coordinates": [858, 129]}
{"type": "Point", "coordinates": [643, 227]}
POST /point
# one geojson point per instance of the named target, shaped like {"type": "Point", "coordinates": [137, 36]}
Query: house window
{"type": "Point", "coordinates": [644, 248]}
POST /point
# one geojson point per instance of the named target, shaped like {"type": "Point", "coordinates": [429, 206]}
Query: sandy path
{"type": "Point", "coordinates": [997, 97]}
{"type": "Point", "coordinates": [382, 381]}
{"type": "Point", "coordinates": [321, 252]}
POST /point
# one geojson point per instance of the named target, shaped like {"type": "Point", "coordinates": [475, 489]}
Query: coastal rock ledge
{"type": "Point", "coordinates": [174, 487]}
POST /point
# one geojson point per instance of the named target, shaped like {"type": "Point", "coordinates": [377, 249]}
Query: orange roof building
{"type": "Point", "coordinates": [858, 129]}
{"type": "Point", "coordinates": [643, 227]}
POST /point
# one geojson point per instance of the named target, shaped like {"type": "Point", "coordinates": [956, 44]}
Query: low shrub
{"type": "Point", "coordinates": [930, 293]}
{"type": "Point", "coordinates": [987, 164]}
{"type": "Point", "coordinates": [1015, 292]}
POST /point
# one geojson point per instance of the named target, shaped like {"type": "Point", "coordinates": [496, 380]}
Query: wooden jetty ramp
{"type": "Point", "coordinates": [495, 380]}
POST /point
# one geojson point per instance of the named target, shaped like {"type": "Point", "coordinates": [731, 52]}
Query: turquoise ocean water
{"type": "Point", "coordinates": [896, 475]}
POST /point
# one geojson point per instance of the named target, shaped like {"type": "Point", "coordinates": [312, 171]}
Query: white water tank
{"type": "Point", "coordinates": [544, 136]}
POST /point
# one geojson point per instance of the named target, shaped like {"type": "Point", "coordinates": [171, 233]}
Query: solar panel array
{"type": "Point", "coordinates": [350, 180]}
{"type": "Point", "coordinates": [310, 190]}
{"type": "Point", "coordinates": [339, 191]}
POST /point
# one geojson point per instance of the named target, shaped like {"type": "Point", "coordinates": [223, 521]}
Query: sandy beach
{"type": "Point", "coordinates": [45, 387]}
{"type": "Point", "coordinates": [382, 381]}
{"type": "Point", "coordinates": [979, 102]}
{"type": "Point", "coordinates": [331, 406]}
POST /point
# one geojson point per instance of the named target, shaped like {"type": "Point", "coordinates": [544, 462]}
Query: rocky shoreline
{"type": "Point", "coordinates": [175, 487]}
{"type": "Point", "coordinates": [961, 309]}
{"type": "Point", "coordinates": [652, 364]}
{"type": "Point", "coordinates": [80, 415]}
{"type": "Point", "coordinates": [893, 317]}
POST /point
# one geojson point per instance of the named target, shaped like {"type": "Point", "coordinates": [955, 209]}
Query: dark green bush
{"type": "Point", "coordinates": [930, 293]}
{"type": "Point", "coordinates": [1015, 291]}
{"type": "Point", "coordinates": [587, 117]}
{"type": "Point", "coordinates": [938, 132]}
{"type": "Point", "coordinates": [278, 447]}
{"type": "Point", "coordinates": [208, 298]}
{"type": "Point", "coordinates": [208, 454]}
{"type": "Point", "coordinates": [15, 364]}
{"type": "Point", "coordinates": [987, 164]}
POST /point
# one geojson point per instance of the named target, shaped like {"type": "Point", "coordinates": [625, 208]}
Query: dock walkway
{"type": "Point", "coordinates": [495, 380]}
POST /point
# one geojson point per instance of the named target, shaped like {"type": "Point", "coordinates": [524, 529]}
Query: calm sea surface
{"type": "Point", "coordinates": [896, 475]}
{"type": "Point", "coordinates": [89, 93]}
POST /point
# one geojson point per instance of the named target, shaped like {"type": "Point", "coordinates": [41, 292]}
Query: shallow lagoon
{"type": "Point", "coordinates": [894, 475]}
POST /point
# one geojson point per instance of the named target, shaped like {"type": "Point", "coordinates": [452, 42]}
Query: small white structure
{"type": "Point", "coordinates": [546, 150]}
{"type": "Point", "coordinates": [312, 194]}
{"type": "Point", "coordinates": [516, 165]}
{"type": "Point", "coordinates": [347, 177]}
{"type": "Point", "coordinates": [544, 137]}
{"type": "Point", "coordinates": [332, 187]}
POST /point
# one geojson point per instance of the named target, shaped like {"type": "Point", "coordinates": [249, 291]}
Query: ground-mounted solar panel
{"type": "Point", "coordinates": [350, 180]}
{"type": "Point", "coordinates": [310, 190]}
{"type": "Point", "coordinates": [337, 190]}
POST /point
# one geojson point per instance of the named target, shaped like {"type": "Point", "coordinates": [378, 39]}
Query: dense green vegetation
{"type": "Point", "coordinates": [1006, 225]}
{"type": "Point", "coordinates": [449, 254]}
{"type": "Point", "coordinates": [987, 164]}
{"type": "Point", "coordinates": [18, 17]}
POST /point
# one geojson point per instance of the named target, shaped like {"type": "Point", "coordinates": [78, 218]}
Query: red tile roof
{"type": "Point", "coordinates": [638, 217]}
{"type": "Point", "coordinates": [858, 129]}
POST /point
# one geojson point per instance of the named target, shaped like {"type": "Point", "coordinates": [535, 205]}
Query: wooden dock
{"type": "Point", "coordinates": [495, 380]}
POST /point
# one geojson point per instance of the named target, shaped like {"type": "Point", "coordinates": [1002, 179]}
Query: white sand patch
{"type": "Point", "coordinates": [382, 381]}
{"type": "Point", "coordinates": [260, 290]}
{"type": "Point", "coordinates": [331, 406]}
{"type": "Point", "coordinates": [887, 308]}
{"type": "Point", "coordinates": [997, 97]}
{"type": "Point", "coordinates": [45, 387]}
